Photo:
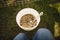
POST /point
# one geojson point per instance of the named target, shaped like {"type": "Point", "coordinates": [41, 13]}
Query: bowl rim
{"type": "Point", "coordinates": [23, 12]}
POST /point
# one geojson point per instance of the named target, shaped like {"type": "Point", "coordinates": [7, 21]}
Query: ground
{"type": "Point", "coordinates": [9, 28]}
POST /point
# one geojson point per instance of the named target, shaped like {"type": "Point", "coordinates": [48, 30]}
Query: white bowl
{"type": "Point", "coordinates": [27, 11]}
